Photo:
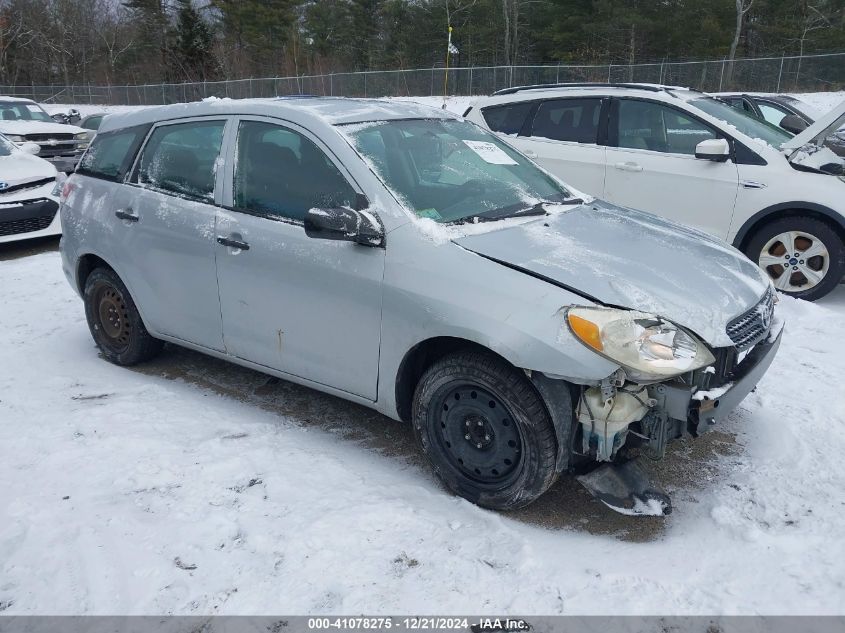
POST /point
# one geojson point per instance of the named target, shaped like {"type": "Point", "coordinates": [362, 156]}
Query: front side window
{"type": "Point", "coordinates": [112, 153]}
{"type": "Point", "coordinates": [280, 172]}
{"type": "Point", "coordinates": [575, 120]}
{"type": "Point", "coordinates": [451, 171]}
{"type": "Point", "coordinates": [772, 113]}
{"type": "Point", "coordinates": [658, 128]}
{"type": "Point", "coordinates": [180, 159]}
{"type": "Point", "coordinates": [746, 123]}
{"type": "Point", "coordinates": [22, 111]}
{"type": "Point", "coordinates": [507, 119]}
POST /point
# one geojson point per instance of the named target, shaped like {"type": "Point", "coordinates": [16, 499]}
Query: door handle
{"type": "Point", "coordinates": [126, 214]}
{"type": "Point", "coordinates": [225, 241]}
{"type": "Point", "coordinates": [531, 153]}
{"type": "Point", "coordinates": [628, 166]}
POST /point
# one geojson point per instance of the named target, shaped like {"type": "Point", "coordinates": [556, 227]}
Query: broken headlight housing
{"type": "Point", "coordinates": [648, 347]}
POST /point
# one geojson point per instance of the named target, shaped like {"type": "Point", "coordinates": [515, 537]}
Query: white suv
{"type": "Point", "coordinates": [692, 158]}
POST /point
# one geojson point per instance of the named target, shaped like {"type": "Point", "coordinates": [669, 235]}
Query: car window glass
{"type": "Point", "coordinates": [21, 111]}
{"type": "Point", "coordinates": [772, 113]}
{"type": "Point", "coordinates": [652, 126]}
{"type": "Point", "coordinates": [180, 158]}
{"type": "Point", "coordinates": [281, 172]}
{"type": "Point", "coordinates": [568, 120]}
{"type": "Point", "coordinates": [92, 123]}
{"type": "Point", "coordinates": [507, 119]}
{"type": "Point", "coordinates": [112, 153]}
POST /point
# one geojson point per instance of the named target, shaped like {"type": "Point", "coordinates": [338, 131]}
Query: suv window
{"type": "Point", "coordinates": [112, 153]}
{"type": "Point", "coordinates": [772, 113]}
{"type": "Point", "coordinates": [507, 119]}
{"type": "Point", "coordinates": [180, 158]}
{"type": "Point", "coordinates": [568, 120]}
{"type": "Point", "coordinates": [659, 128]}
{"type": "Point", "coordinates": [282, 173]}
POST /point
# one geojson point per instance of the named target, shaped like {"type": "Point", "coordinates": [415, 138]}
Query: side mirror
{"type": "Point", "coordinates": [342, 223]}
{"type": "Point", "coordinates": [30, 148]}
{"type": "Point", "coordinates": [716, 149]}
{"type": "Point", "coordinates": [793, 123]}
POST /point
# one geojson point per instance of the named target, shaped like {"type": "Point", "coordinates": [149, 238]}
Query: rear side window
{"type": "Point", "coordinates": [574, 120]}
{"type": "Point", "coordinates": [112, 153]}
{"type": "Point", "coordinates": [507, 119]}
{"type": "Point", "coordinates": [180, 159]}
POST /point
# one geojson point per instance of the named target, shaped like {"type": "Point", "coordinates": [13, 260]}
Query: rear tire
{"type": "Point", "coordinates": [790, 269]}
{"type": "Point", "coordinates": [485, 430]}
{"type": "Point", "coordinates": [114, 320]}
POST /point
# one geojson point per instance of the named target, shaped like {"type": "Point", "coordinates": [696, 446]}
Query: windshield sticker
{"type": "Point", "coordinates": [33, 108]}
{"type": "Point", "coordinates": [430, 213]}
{"type": "Point", "coordinates": [490, 153]}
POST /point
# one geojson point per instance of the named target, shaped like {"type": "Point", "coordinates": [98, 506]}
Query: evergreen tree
{"type": "Point", "coordinates": [193, 42]}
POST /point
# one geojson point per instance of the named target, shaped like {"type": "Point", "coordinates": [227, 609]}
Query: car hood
{"type": "Point", "coordinates": [629, 259]}
{"type": "Point", "coordinates": [20, 168]}
{"type": "Point", "coordinates": [818, 131]}
{"type": "Point", "coordinates": [21, 128]}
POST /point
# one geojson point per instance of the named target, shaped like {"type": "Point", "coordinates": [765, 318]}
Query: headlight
{"type": "Point", "coordinates": [648, 347]}
{"type": "Point", "coordinates": [82, 136]}
{"type": "Point", "coordinates": [15, 138]}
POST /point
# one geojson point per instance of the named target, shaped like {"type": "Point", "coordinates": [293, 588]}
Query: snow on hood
{"type": "Point", "coordinates": [21, 167]}
{"type": "Point", "coordinates": [21, 128]}
{"type": "Point", "coordinates": [635, 260]}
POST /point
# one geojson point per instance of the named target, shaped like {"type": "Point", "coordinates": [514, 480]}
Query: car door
{"type": "Point", "coordinates": [166, 230]}
{"type": "Point", "coordinates": [651, 166]}
{"type": "Point", "coordinates": [562, 135]}
{"type": "Point", "coordinates": [307, 307]}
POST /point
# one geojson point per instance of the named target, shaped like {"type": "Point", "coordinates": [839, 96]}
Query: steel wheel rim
{"type": "Point", "coordinates": [795, 261]}
{"type": "Point", "coordinates": [113, 317]}
{"type": "Point", "coordinates": [478, 434]}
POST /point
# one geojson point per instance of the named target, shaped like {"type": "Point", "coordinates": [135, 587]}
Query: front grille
{"type": "Point", "coordinates": [26, 185]}
{"type": "Point", "coordinates": [750, 327]}
{"type": "Point", "coordinates": [38, 138]}
{"type": "Point", "coordinates": [15, 227]}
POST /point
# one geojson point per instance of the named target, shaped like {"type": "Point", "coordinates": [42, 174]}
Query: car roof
{"type": "Point", "coordinates": [4, 99]}
{"type": "Point", "coordinates": [554, 91]}
{"type": "Point", "coordinates": [306, 111]}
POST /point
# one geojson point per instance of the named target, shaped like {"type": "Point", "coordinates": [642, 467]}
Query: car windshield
{"type": "Point", "coordinates": [746, 123]}
{"type": "Point", "coordinates": [453, 171]}
{"type": "Point", "coordinates": [22, 111]}
{"type": "Point", "coordinates": [6, 147]}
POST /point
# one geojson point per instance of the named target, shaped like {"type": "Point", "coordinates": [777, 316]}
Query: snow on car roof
{"type": "Point", "coordinates": [302, 110]}
{"type": "Point", "coordinates": [5, 99]}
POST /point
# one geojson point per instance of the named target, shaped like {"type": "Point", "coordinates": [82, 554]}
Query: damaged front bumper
{"type": "Point", "coordinates": [671, 410]}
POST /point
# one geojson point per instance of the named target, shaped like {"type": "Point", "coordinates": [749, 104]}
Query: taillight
{"type": "Point", "coordinates": [67, 188]}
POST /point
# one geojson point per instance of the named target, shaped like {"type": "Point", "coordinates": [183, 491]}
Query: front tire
{"type": "Point", "coordinates": [485, 431]}
{"type": "Point", "coordinates": [114, 320]}
{"type": "Point", "coordinates": [804, 257]}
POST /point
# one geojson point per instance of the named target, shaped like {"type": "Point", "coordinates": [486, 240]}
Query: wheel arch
{"type": "Point", "coordinates": [784, 210]}
{"type": "Point", "coordinates": [557, 396]}
{"type": "Point", "coordinates": [85, 265]}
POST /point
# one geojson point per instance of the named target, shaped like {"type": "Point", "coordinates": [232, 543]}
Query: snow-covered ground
{"type": "Point", "coordinates": [193, 486]}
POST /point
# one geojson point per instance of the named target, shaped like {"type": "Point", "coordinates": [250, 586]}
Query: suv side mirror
{"type": "Point", "coordinates": [793, 123]}
{"type": "Point", "coordinates": [716, 149]}
{"type": "Point", "coordinates": [30, 148]}
{"type": "Point", "coordinates": [342, 223]}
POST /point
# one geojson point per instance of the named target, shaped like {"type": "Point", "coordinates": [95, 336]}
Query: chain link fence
{"type": "Point", "coordinates": [809, 73]}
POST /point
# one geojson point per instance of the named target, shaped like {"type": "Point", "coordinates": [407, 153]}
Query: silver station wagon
{"type": "Point", "coordinates": [405, 259]}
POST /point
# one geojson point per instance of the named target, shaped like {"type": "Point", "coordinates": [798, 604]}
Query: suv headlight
{"type": "Point", "coordinates": [16, 138]}
{"type": "Point", "coordinates": [83, 137]}
{"type": "Point", "coordinates": [648, 347]}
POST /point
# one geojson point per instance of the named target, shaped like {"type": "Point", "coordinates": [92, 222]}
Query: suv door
{"type": "Point", "coordinates": [307, 307]}
{"type": "Point", "coordinates": [651, 166]}
{"type": "Point", "coordinates": [563, 136]}
{"type": "Point", "coordinates": [166, 231]}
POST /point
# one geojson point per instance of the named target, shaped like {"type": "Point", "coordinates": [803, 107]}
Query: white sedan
{"type": "Point", "coordinates": [29, 200]}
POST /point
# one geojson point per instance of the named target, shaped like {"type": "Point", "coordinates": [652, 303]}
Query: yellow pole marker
{"type": "Point", "coordinates": [446, 78]}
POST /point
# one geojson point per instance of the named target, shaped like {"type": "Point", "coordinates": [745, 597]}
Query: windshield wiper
{"type": "Point", "coordinates": [508, 212]}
